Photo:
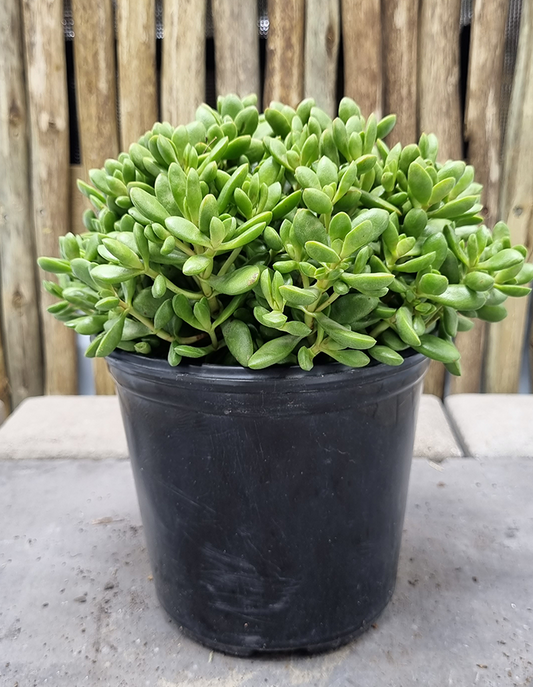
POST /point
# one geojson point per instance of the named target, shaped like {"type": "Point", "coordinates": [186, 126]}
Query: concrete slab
{"type": "Point", "coordinates": [45, 427]}
{"type": "Point", "coordinates": [90, 427]}
{"type": "Point", "coordinates": [493, 425]}
{"type": "Point", "coordinates": [434, 436]}
{"type": "Point", "coordinates": [77, 605]}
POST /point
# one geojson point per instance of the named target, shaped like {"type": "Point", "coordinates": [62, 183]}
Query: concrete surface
{"type": "Point", "coordinates": [2, 412]}
{"type": "Point", "coordinates": [77, 605]}
{"type": "Point", "coordinates": [493, 425]}
{"type": "Point", "coordinates": [44, 427]}
{"type": "Point", "coordinates": [90, 427]}
{"type": "Point", "coordinates": [434, 438]}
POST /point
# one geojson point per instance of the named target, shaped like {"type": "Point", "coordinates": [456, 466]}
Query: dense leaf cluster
{"type": "Point", "coordinates": [272, 238]}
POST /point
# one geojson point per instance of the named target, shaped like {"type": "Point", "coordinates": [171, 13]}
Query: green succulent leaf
{"type": "Point", "coordinates": [307, 227]}
{"type": "Point", "coordinates": [185, 230]}
{"type": "Point", "coordinates": [455, 208]}
{"type": "Point", "coordinates": [317, 201]}
{"type": "Point", "coordinates": [508, 257]}
{"type": "Point", "coordinates": [239, 341]}
{"type": "Point", "coordinates": [197, 264]}
{"type": "Point", "coordinates": [368, 281]}
{"type": "Point", "coordinates": [273, 352]}
{"type": "Point", "coordinates": [148, 205]}
{"type": "Point", "coordinates": [113, 274]}
{"type": "Point", "coordinates": [321, 253]}
{"type": "Point", "coordinates": [437, 349]}
{"type": "Point", "coordinates": [123, 254]}
{"type": "Point", "coordinates": [433, 284]}
{"type": "Point", "coordinates": [386, 355]}
{"type": "Point", "coordinates": [297, 296]}
{"type": "Point", "coordinates": [460, 297]}
{"type": "Point", "coordinates": [420, 183]}
{"type": "Point", "coordinates": [111, 338]}
{"type": "Point", "coordinates": [349, 358]}
{"type": "Point", "coordinates": [54, 265]}
{"type": "Point", "coordinates": [343, 335]}
{"type": "Point", "coordinates": [237, 282]}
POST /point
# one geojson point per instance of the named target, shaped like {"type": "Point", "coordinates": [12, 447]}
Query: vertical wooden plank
{"type": "Point", "coordinates": [136, 68]}
{"type": "Point", "coordinates": [322, 37]}
{"type": "Point", "coordinates": [47, 91]}
{"type": "Point", "coordinates": [183, 68]}
{"type": "Point", "coordinates": [506, 339]}
{"type": "Point", "coordinates": [78, 202]}
{"type": "Point", "coordinates": [94, 53]}
{"type": "Point", "coordinates": [434, 379]}
{"type": "Point", "coordinates": [482, 131]}
{"type": "Point", "coordinates": [236, 47]}
{"type": "Point", "coordinates": [19, 306]}
{"type": "Point", "coordinates": [284, 79]}
{"type": "Point", "coordinates": [362, 48]}
{"type": "Point", "coordinates": [439, 105]}
{"type": "Point", "coordinates": [400, 38]}
{"type": "Point", "coordinates": [482, 119]}
{"type": "Point", "coordinates": [5, 401]}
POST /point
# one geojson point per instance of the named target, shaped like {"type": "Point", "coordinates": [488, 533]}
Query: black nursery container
{"type": "Point", "coordinates": [272, 501]}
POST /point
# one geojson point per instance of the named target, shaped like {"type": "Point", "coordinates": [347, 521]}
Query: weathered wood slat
{"type": "Point", "coordinates": [236, 47]}
{"type": "Point", "coordinates": [78, 202]}
{"type": "Point", "coordinates": [482, 131]}
{"type": "Point", "coordinates": [362, 48]}
{"type": "Point", "coordinates": [439, 106]}
{"type": "Point", "coordinates": [19, 306]}
{"type": "Point", "coordinates": [400, 39]}
{"type": "Point", "coordinates": [322, 37]}
{"type": "Point", "coordinates": [136, 68]}
{"type": "Point", "coordinates": [285, 52]}
{"type": "Point", "coordinates": [506, 339]}
{"type": "Point", "coordinates": [94, 52]}
{"type": "Point", "coordinates": [4, 384]}
{"type": "Point", "coordinates": [47, 90]}
{"type": "Point", "coordinates": [434, 379]}
{"type": "Point", "coordinates": [183, 67]}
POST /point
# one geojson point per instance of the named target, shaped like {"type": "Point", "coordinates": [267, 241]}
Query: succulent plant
{"type": "Point", "coordinates": [283, 238]}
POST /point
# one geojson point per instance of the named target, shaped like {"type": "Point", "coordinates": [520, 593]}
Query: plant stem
{"type": "Point", "coordinates": [435, 316]}
{"type": "Point", "coordinates": [231, 259]}
{"type": "Point", "coordinates": [329, 301]}
{"type": "Point", "coordinates": [214, 305]}
{"type": "Point", "coordinates": [159, 332]}
{"type": "Point", "coordinates": [147, 323]}
{"type": "Point", "coordinates": [379, 328]}
{"type": "Point", "coordinates": [191, 339]}
{"type": "Point", "coordinates": [183, 247]}
{"type": "Point", "coordinates": [176, 289]}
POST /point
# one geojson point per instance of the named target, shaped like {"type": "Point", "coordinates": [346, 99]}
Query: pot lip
{"type": "Point", "coordinates": [142, 366]}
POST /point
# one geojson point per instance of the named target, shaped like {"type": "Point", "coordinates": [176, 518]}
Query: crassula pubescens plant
{"type": "Point", "coordinates": [284, 237]}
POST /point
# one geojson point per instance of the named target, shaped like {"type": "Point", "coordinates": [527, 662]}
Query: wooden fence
{"type": "Point", "coordinates": [139, 60]}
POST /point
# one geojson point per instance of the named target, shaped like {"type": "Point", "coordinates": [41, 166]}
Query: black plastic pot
{"type": "Point", "coordinates": [272, 501]}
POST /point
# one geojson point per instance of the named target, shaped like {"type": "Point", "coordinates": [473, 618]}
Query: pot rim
{"type": "Point", "coordinates": [146, 367]}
